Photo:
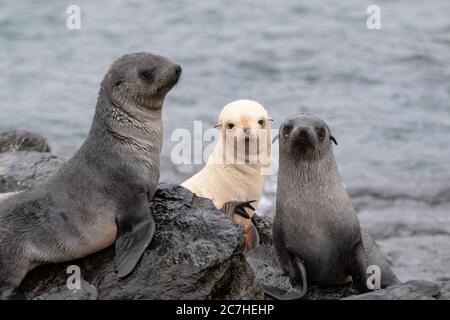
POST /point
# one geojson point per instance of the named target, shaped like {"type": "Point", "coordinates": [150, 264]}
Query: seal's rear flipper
{"type": "Point", "coordinates": [375, 257]}
{"type": "Point", "coordinates": [297, 276]}
{"type": "Point", "coordinates": [133, 237]}
{"type": "Point", "coordinates": [237, 207]}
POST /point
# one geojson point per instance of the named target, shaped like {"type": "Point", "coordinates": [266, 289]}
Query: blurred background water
{"type": "Point", "coordinates": [385, 93]}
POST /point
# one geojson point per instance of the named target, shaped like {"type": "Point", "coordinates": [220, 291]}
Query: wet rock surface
{"type": "Point", "coordinates": [410, 290]}
{"type": "Point", "coordinates": [23, 170]}
{"type": "Point", "coordinates": [415, 239]}
{"type": "Point", "coordinates": [83, 291]}
{"type": "Point", "coordinates": [22, 141]}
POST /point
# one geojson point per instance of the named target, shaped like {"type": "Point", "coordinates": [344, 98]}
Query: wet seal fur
{"type": "Point", "coordinates": [103, 193]}
{"type": "Point", "coordinates": [315, 224]}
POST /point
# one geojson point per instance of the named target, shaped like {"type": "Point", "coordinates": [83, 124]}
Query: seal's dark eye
{"type": "Point", "coordinates": [261, 122]}
{"type": "Point", "coordinates": [147, 75]}
{"type": "Point", "coordinates": [320, 133]}
{"type": "Point", "coordinates": [230, 126]}
{"type": "Point", "coordinates": [287, 130]}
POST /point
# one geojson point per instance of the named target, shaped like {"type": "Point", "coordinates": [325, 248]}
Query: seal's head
{"type": "Point", "coordinates": [141, 78]}
{"type": "Point", "coordinates": [245, 128]}
{"type": "Point", "coordinates": [306, 137]}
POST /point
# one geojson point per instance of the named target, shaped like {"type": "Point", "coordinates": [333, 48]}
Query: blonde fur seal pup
{"type": "Point", "coordinates": [235, 169]}
{"type": "Point", "coordinates": [103, 193]}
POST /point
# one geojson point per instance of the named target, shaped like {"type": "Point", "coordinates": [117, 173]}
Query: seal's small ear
{"type": "Point", "coordinates": [269, 119]}
{"type": "Point", "coordinates": [333, 139]}
{"type": "Point", "coordinates": [218, 125]}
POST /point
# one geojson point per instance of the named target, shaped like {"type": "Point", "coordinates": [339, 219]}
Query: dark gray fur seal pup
{"type": "Point", "coordinates": [315, 223]}
{"type": "Point", "coordinates": [102, 194]}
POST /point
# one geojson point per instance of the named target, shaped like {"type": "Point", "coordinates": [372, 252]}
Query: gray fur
{"type": "Point", "coordinates": [105, 189]}
{"type": "Point", "coordinates": [315, 222]}
{"type": "Point", "coordinates": [375, 257]}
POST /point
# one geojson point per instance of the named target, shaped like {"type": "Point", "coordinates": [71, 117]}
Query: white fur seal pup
{"type": "Point", "coordinates": [234, 173]}
{"type": "Point", "coordinates": [102, 194]}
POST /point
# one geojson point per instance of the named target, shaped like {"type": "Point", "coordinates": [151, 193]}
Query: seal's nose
{"type": "Point", "coordinates": [303, 132]}
{"type": "Point", "coordinates": [247, 133]}
{"type": "Point", "coordinates": [178, 69]}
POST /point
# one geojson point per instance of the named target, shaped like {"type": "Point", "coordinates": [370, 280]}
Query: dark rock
{"type": "Point", "coordinates": [85, 292]}
{"type": "Point", "coordinates": [23, 170]}
{"type": "Point", "coordinates": [195, 255]}
{"type": "Point", "coordinates": [22, 141]}
{"type": "Point", "coordinates": [411, 290]}
{"type": "Point", "coordinates": [264, 226]}
{"type": "Point", "coordinates": [444, 289]}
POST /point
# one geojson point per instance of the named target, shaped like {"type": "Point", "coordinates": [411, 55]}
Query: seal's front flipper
{"type": "Point", "coordinates": [251, 236]}
{"type": "Point", "coordinates": [236, 211]}
{"type": "Point", "coordinates": [237, 207]}
{"type": "Point", "coordinates": [135, 232]}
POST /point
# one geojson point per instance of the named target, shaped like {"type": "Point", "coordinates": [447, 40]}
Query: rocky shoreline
{"type": "Point", "coordinates": [195, 253]}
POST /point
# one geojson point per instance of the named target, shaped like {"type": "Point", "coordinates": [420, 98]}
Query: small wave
{"type": "Point", "coordinates": [417, 58]}
{"type": "Point", "coordinates": [436, 199]}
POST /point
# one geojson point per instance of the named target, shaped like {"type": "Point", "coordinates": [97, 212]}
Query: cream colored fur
{"type": "Point", "coordinates": [223, 181]}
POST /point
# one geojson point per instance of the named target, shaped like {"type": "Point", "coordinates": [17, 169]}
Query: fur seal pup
{"type": "Point", "coordinates": [102, 194]}
{"type": "Point", "coordinates": [315, 223]}
{"type": "Point", "coordinates": [235, 169]}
